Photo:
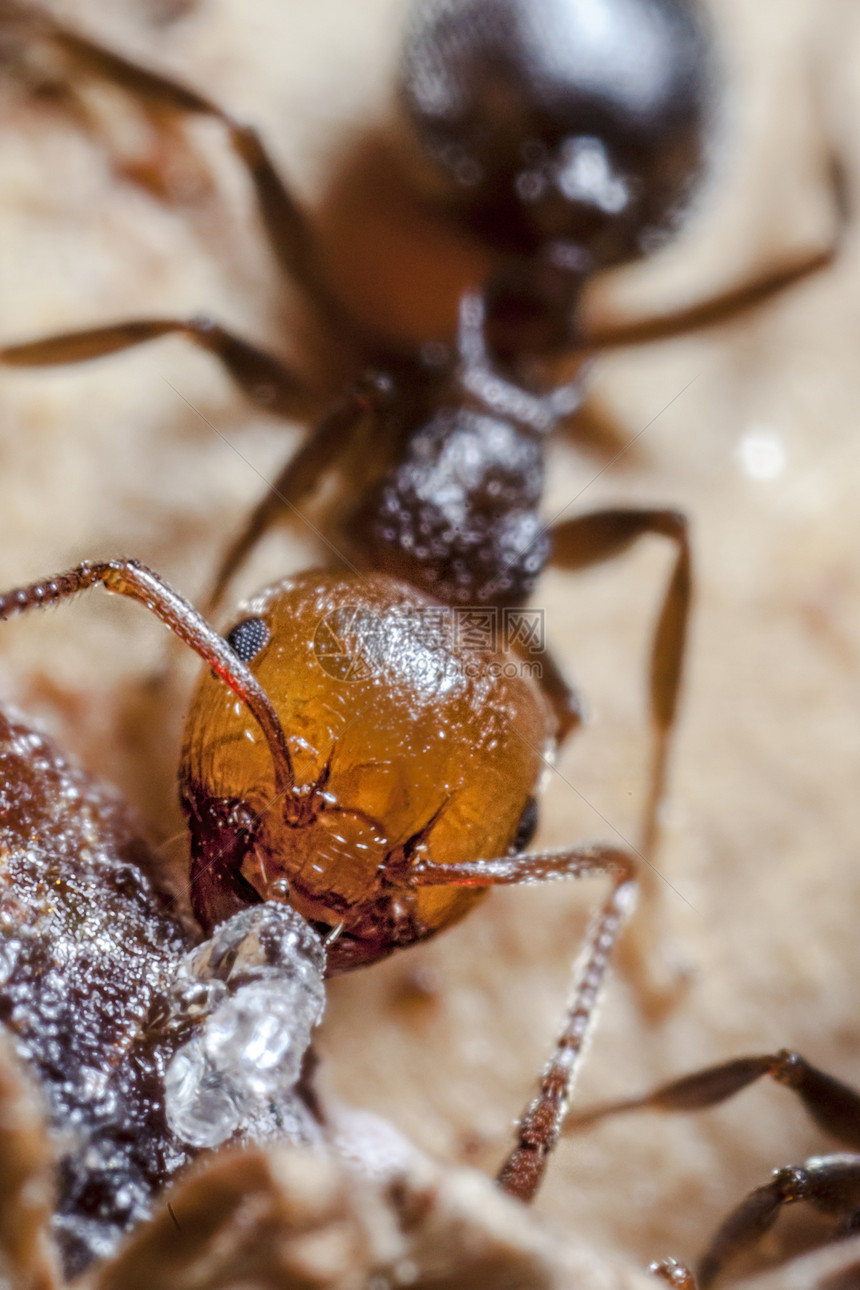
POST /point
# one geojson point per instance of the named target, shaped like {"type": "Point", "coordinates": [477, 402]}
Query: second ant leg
{"type": "Point", "coordinates": [261, 376]}
{"type": "Point", "coordinates": [540, 1125]}
{"type": "Point", "coordinates": [830, 1184]}
{"type": "Point", "coordinates": [588, 540]}
{"type": "Point", "coordinates": [834, 1106]}
{"type": "Point", "coordinates": [720, 309]}
{"type": "Point", "coordinates": [733, 303]}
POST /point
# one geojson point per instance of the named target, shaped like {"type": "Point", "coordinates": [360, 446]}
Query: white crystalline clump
{"type": "Point", "coordinates": [260, 1036]}
{"type": "Point", "coordinates": [252, 1030]}
{"type": "Point", "coordinates": [201, 1108]}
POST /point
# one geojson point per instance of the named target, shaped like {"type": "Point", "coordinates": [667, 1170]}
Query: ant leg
{"type": "Point", "coordinates": [820, 1179]}
{"type": "Point", "coordinates": [736, 301]}
{"type": "Point", "coordinates": [602, 535]}
{"type": "Point", "coordinates": [261, 376]}
{"type": "Point", "coordinates": [724, 308]}
{"type": "Point", "coordinates": [565, 702]}
{"type": "Point", "coordinates": [588, 540]}
{"type": "Point", "coordinates": [287, 229]}
{"type": "Point", "coordinates": [832, 1105]}
{"type": "Point", "coordinates": [295, 480]}
{"type": "Point", "coordinates": [130, 578]}
{"type": "Point", "coordinates": [830, 1184]}
{"type": "Point", "coordinates": [299, 476]}
{"type": "Point", "coordinates": [540, 1125]}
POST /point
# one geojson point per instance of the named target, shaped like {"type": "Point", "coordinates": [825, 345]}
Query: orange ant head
{"type": "Point", "coordinates": [406, 745]}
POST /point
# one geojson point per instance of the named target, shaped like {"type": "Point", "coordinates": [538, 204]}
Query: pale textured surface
{"type": "Point", "coordinates": [763, 817]}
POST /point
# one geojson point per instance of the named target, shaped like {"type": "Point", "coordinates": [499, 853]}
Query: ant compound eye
{"type": "Point", "coordinates": [247, 638]}
{"type": "Point", "coordinates": [526, 827]}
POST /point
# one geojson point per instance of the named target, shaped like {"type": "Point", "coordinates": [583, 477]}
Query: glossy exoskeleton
{"type": "Point", "coordinates": [374, 793]}
{"type": "Point", "coordinates": [829, 1184]}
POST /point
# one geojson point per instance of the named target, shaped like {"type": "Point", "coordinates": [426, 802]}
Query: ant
{"type": "Point", "coordinates": [829, 1184]}
{"type": "Point", "coordinates": [439, 450]}
{"type": "Point", "coordinates": [561, 171]}
{"type": "Point", "coordinates": [355, 803]}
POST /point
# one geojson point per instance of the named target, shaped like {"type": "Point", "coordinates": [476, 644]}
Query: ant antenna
{"type": "Point", "coordinates": [130, 578]}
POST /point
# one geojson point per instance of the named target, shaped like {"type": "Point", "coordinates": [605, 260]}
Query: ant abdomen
{"type": "Point", "coordinates": [556, 119]}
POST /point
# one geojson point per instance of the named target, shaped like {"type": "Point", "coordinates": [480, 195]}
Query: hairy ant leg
{"type": "Point", "coordinates": [287, 231]}
{"type": "Point", "coordinates": [133, 579]}
{"type": "Point", "coordinates": [540, 1125]}
{"type": "Point", "coordinates": [829, 1184]}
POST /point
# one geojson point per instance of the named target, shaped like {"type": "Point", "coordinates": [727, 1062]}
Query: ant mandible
{"type": "Point", "coordinates": [566, 151]}
{"type": "Point", "coordinates": [829, 1184]}
{"type": "Point", "coordinates": [362, 804]}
